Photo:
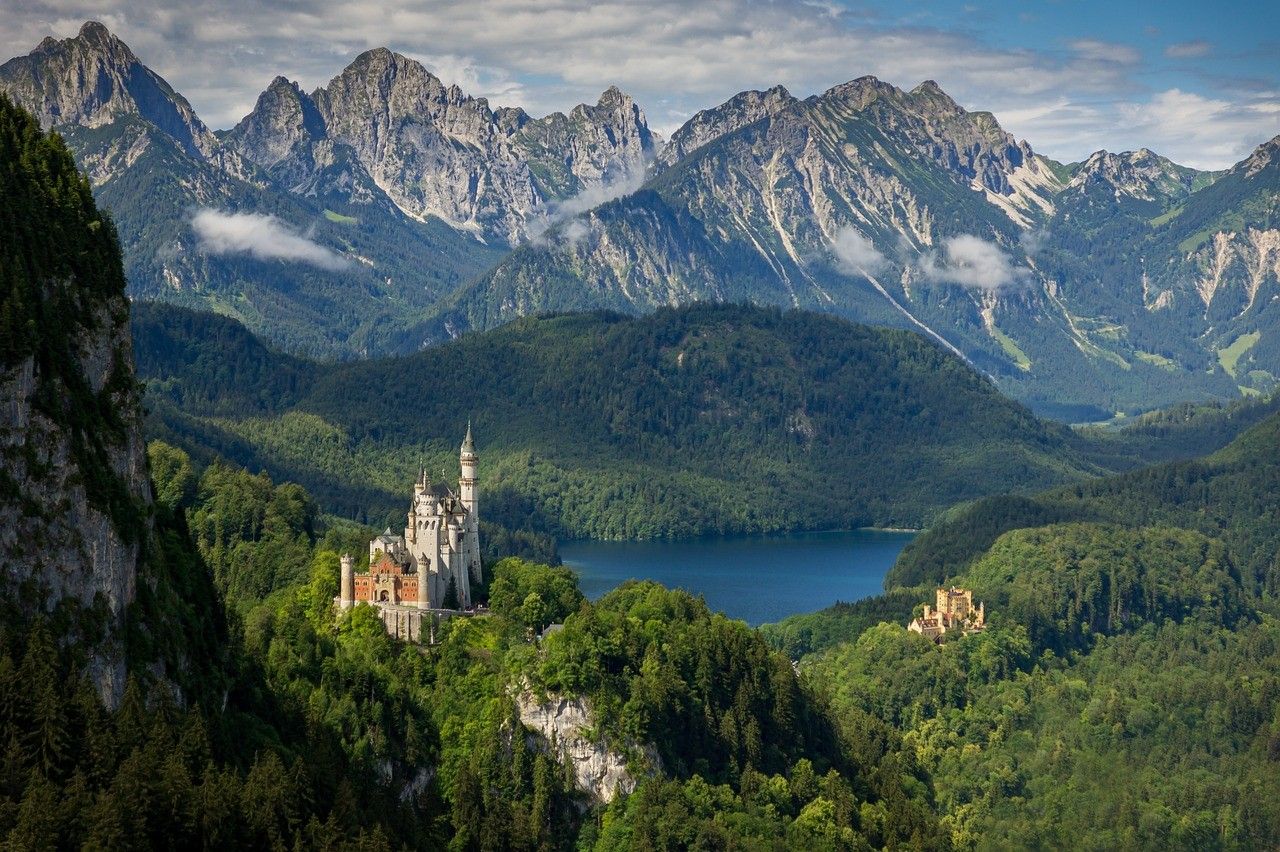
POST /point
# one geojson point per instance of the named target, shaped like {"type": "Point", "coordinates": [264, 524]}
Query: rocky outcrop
{"type": "Point", "coordinates": [592, 147]}
{"type": "Point", "coordinates": [565, 727]}
{"type": "Point", "coordinates": [284, 124]}
{"type": "Point", "coordinates": [710, 124]}
{"type": "Point", "coordinates": [74, 488]}
{"type": "Point", "coordinates": [1142, 175]}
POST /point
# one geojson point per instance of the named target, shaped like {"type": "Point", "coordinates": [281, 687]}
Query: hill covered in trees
{"type": "Point", "coordinates": [1126, 693]}
{"type": "Point", "coordinates": [1230, 494]}
{"type": "Point", "coordinates": [695, 420]}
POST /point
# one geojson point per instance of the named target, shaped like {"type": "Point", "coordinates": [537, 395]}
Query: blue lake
{"type": "Point", "coordinates": [755, 578]}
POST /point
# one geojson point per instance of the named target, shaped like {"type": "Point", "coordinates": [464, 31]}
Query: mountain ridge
{"type": "Point", "coordinates": [1066, 284]}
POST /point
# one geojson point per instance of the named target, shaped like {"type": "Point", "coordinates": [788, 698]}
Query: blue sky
{"type": "Point", "coordinates": [1197, 82]}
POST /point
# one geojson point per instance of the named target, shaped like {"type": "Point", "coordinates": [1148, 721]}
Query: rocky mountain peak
{"type": "Point", "coordinates": [94, 79]}
{"type": "Point", "coordinates": [857, 94]}
{"type": "Point", "coordinates": [1141, 175]}
{"type": "Point", "coordinates": [929, 95]}
{"type": "Point", "coordinates": [1262, 156]}
{"type": "Point", "coordinates": [381, 87]}
{"type": "Point", "coordinates": [283, 119]}
{"type": "Point", "coordinates": [96, 33]}
{"type": "Point", "coordinates": [614, 97]}
{"type": "Point", "coordinates": [739, 111]}
{"type": "Point", "coordinates": [281, 83]}
{"type": "Point", "coordinates": [436, 151]}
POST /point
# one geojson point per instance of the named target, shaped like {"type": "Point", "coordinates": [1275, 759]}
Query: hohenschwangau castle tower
{"type": "Point", "coordinates": [430, 567]}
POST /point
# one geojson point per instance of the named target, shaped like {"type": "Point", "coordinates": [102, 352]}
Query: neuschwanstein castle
{"type": "Point", "coordinates": [415, 578]}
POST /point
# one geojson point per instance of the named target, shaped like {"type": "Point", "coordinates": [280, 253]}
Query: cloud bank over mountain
{"type": "Point", "coordinates": [260, 236]}
{"type": "Point", "coordinates": [971, 261]}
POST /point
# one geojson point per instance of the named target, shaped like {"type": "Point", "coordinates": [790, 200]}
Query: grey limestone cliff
{"type": "Point", "coordinates": [565, 727]}
{"type": "Point", "coordinates": [74, 489]}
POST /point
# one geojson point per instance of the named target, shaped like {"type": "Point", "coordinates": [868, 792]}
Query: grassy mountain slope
{"type": "Point", "coordinates": [699, 419]}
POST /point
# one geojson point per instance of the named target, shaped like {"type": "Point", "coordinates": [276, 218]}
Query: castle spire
{"type": "Point", "coordinates": [468, 445]}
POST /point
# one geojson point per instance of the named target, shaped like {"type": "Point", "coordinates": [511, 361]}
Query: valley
{"type": "Point", "coordinates": [689, 427]}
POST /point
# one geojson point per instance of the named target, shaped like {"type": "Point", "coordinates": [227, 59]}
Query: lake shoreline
{"type": "Point", "coordinates": [758, 578]}
{"type": "Point", "coordinates": [741, 535]}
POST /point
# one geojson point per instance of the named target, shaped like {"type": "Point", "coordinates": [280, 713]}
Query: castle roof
{"type": "Point", "coordinates": [468, 445]}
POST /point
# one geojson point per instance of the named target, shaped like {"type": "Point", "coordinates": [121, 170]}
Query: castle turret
{"type": "Point", "coordinates": [470, 566]}
{"type": "Point", "coordinates": [467, 483]}
{"type": "Point", "coordinates": [347, 591]}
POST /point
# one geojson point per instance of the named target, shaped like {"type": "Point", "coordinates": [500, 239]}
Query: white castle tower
{"type": "Point", "coordinates": [347, 591]}
{"type": "Point", "coordinates": [471, 528]}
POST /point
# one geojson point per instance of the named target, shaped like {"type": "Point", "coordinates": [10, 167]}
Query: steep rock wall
{"type": "Point", "coordinates": [565, 727]}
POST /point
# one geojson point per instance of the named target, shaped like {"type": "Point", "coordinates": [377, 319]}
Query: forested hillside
{"type": "Point", "coordinates": [1230, 494]}
{"type": "Point", "coordinates": [1126, 693]}
{"type": "Point", "coordinates": [692, 420]}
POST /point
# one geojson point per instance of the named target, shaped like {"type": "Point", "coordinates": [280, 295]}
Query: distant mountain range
{"type": "Point", "coordinates": [404, 212]}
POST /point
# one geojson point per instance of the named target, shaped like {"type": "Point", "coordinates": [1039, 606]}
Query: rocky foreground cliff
{"type": "Point", "coordinates": [74, 490]}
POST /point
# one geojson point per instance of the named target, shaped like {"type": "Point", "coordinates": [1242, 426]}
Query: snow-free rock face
{"type": "Point", "coordinates": [74, 488]}
{"type": "Point", "coordinates": [710, 124]}
{"type": "Point", "coordinates": [284, 122]}
{"type": "Point", "coordinates": [751, 200]}
{"type": "Point", "coordinates": [54, 533]}
{"type": "Point", "coordinates": [1142, 175]}
{"type": "Point", "coordinates": [592, 148]}
{"type": "Point", "coordinates": [93, 79]}
{"type": "Point", "coordinates": [565, 727]}
{"type": "Point", "coordinates": [436, 151]}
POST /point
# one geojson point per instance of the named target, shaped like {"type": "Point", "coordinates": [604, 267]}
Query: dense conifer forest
{"type": "Point", "coordinates": [1126, 693]}
{"type": "Point", "coordinates": [705, 419]}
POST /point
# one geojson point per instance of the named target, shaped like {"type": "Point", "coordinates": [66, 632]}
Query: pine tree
{"type": "Point", "coordinates": [48, 735]}
{"type": "Point", "coordinates": [37, 826]}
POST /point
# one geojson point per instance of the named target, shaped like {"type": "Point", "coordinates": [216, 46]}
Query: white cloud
{"type": "Point", "coordinates": [263, 237]}
{"type": "Point", "coordinates": [1203, 132]}
{"type": "Point", "coordinates": [856, 254]}
{"type": "Point", "coordinates": [1188, 49]}
{"type": "Point", "coordinates": [1188, 128]}
{"type": "Point", "coordinates": [575, 232]}
{"type": "Point", "coordinates": [593, 195]}
{"type": "Point", "coordinates": [1106, 51]}
{"type": "Point", "coordinates": [971, 261]}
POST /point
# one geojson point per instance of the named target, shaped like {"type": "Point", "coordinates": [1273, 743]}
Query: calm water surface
{"type": "Point", "coordinates": [755, 578]}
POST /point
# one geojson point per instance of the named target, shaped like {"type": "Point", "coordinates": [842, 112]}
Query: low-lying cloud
{"type": "Point", "coordinates": [971, 261]}
{"type": "Point", "coordinates": [856, 254]}
{"type": "Point", "coordinates": [590, 197]}
{"type": "Point", "coordinates": [261, 236]}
